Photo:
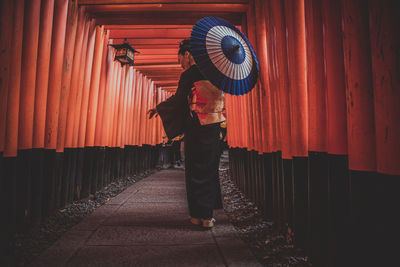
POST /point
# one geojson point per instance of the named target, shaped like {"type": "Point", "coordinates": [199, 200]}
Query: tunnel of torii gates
{"type": "Point", "coordinates": [315, 144]}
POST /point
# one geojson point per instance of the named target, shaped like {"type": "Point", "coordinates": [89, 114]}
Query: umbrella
{"type": "Point", "coordinates": [224, 55]}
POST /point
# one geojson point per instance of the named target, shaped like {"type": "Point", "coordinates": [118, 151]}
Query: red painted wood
{"type": "Point", "coordinates": [74, 84]}
{"type": "Point", "coordinates": [295, 23]}
{"type": "Point", "coordinates": [138, 103]}
{"type": "Point", "coordinates": [116, 105]}
{"type": "Point", "coordinates": [68, 62]}
{"type": "Point", "coordinates": [108, 98]}
{"type": "Point", "coordinates": [98, 2]}
{"type": "Point", "coordinates": [86, 87]}
{"type": "Point", "coordinates": [94, 87]}
{"type": "Point", "coordinates": [100, 118]}
{"type": "Point", "coordinates": [121, 106]}
{"type": "Point", "coordinates": [55, 75]}
{"type": "Point", "coordinates": [28, 73]}
{"type": "Point", "coordinates": [359, 88]}
{"type": "Point", "coordinates": [143, 120]}
{"type": "Point", "coordinates": [317, 100]}
{"type": "Point", "coordinates": [168, 7]}
{"type": "Point", "coordinates": [6, 29]}
{"type": "Point", "coordinates": [116, 73]}
{"type": "Point", "coordinates": [13, 98]}
{"type": "Point", "coordinates": [153, 33]}
{"type": "Point", "coordinates": [264, 80]}
{"type": "Point", "coordinates": [82, 72]}
{"type": "Point", "coordinates": [385, 43]}
{"type": "Point", "coordinates": [335, 79]}
{"type": "Point", "coordinates": [129, 115]}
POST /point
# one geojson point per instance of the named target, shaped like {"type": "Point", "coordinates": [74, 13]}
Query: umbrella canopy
{"type": "Point", "coordinates": [224, 55]}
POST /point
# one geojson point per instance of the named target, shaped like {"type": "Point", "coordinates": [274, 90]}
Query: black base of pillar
{"type": "Point", "coordinates": [318, 189]}
{"type": "Point", "coordinates": [300, 185]}
{"type": "Point", "coordinates": [38, 163]}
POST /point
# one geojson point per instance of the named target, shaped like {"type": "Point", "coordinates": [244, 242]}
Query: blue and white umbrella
{"type": "Point", "coordinates": [224, 55]}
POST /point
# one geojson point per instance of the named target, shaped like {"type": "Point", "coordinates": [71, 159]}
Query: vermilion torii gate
{"type": "Point", "coordinates": [316, 144]}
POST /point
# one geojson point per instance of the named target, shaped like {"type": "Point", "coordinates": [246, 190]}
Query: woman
{"type": "Point", "coordinates": [196, 110]}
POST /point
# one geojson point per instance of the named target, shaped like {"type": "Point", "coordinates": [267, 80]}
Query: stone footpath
{"type": "Point", "coordinates": [148, 225]}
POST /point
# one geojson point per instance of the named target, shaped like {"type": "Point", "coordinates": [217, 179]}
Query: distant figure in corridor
{"type": "Point", "coordinates": [196, 110]}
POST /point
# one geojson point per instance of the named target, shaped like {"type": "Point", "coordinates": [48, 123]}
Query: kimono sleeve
{"type": "Point", "coordinates": [174, 111]}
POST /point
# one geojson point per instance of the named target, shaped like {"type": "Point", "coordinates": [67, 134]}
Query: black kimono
{"type": "Point", "coordinates": [202, 151]}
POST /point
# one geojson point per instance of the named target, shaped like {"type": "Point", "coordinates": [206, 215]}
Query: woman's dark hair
{"type": "Point", "coordinates": [184, 46]}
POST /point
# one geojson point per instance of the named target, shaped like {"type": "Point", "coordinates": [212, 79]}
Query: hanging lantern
{"type": "Point", "coordinates": [125, 53]}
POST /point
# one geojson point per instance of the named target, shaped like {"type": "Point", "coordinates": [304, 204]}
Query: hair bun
{"type": "Point", "coordinates": [184, 46]}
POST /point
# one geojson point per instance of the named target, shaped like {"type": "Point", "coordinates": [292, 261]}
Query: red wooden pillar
{"type": "Point", "coordinates": [6, 31]}
{"type": "Point", "coordinates": [385, 43]}
{"type": "Point", "coordinates": [242, 111]}
{"type": "Point", "coordinates": [68, 64]}
{"type": "Point", "coordinates": [121, 75]}
{"type": "Point", "coordinates": [315, 77]}
{"type": "Point", "coordinates": [335, 80]}
{"type": "Point", "coordinates": [265, 91]}
{"type": "Point", "coordinates": [138, 123]}
{"type": "Point", "coordinates": [94, 87]}
{"type": "Point", "coordinates": [74, 84]}
{"type": "Point", "coordinates": [295, 23]}
{"type": "Point", "coordinates": [28, 73]}
{"type": "Point", "coordinates": [127, 119]}
{"type": "Point", "coordinates": [230, 120]}
{"type": "Point", "coordinates": [149, 100]}
{"type": "Point", "coordinates": [359, 89]}
{"type": "Point", "coordinates": [385, 46]}
{"type": "Point", "coordinates": [134, 105]}
{"type": "Point", "coordinates": [109, 93]}
{"type": "Point", "coordinates": [143, 110]}
{"type": "Point", "coordinates": [86, 87]}
{"type": "Point", "coordinates": [228, 101]}
{"type": "Point", "coordinates": [82, 72]}
{"type": "Point", "coordinates": [114, 106]}
{"type": "Point", "coordinates": [336, 128]}
{"type": "Point", "coordinates": [42, 74]}
{"type": "Point", "coordinates": [125, 107]}
{"type": "Point", "coordinates": [131, 110]}
{"type": "Point", "coordinates": [138, 108]}
{"type": "Point", "coordinates": [11, 136]}
{"type": "Point", "coordinates": [279, 29]}
{"type": "Point", "coordinates": [154, 103]}
{"type": "Point", "coordinates": [103, 89]}
{"type": "Point", "coordinates": [153, 122]}
{"type": "Point", "coordinates": [121, 104]}
{"type": "Point", "coordinates": [55, 75]}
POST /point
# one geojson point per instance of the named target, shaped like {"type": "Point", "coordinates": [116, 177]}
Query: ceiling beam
{"type": "Point", "coordinates": [130, 27]}
{"type": "Point", "coordinates": [150, 33]}
{"type": "Point", "coordinates": [108, 2]}
{"type": "Point", "coordinates": [167, 7]}
{"type": "Point", "coordinates": [163, 18]}
{"type": "Point", "coordinates": [150, 41]}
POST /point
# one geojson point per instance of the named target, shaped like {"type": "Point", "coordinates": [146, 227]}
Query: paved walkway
{"type": "Point", "coordinates": [147, 225]}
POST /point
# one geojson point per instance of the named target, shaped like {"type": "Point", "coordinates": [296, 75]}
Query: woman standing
{"type": "Point", "coordinates": [196, 110]}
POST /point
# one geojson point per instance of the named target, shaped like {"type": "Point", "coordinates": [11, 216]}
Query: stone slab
{"type": "Point", "coordinates": [152, 208]}
{"type": "Point", "coordinates": [148, 225]}
{"type": "Point", "coordinates": [94, 220]}
{"type": "Point", "coordinates": [179, 219]}
{"type": "Point", "coordinates": [121, 198]}
{"type": "Point", "coordinates": [163, 191]}
{"type": "Point", "coordinates": [61, 251]}
{"type": "Point", "coordinates": [145, 235]}
{"type": "Point", "coordinates": [223, 227]}
{"type": "Point", "coordinates": [164, 198]}
{"type": "Point", "coordinates": [236, 252]}
{"type": "Point", "coordinates": [149, 256]}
